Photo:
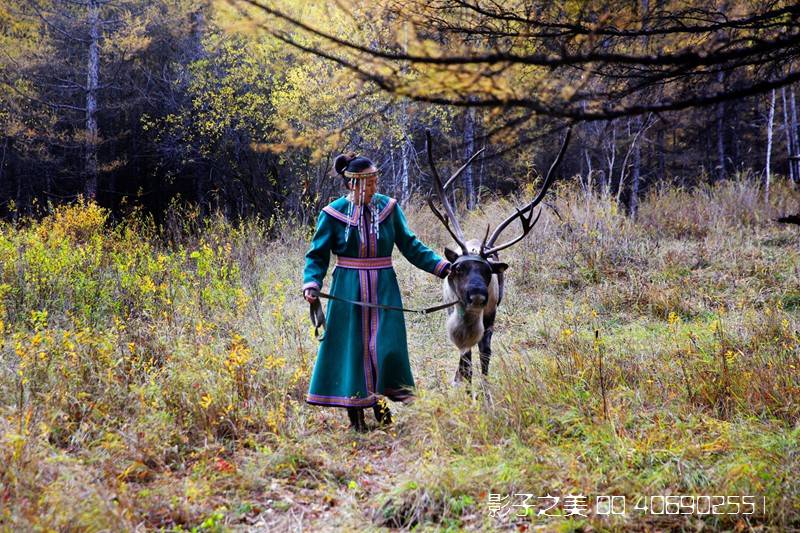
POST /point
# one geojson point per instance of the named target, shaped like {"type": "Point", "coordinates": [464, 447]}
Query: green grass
{"type": "Point", "coordinates": [156, 385]}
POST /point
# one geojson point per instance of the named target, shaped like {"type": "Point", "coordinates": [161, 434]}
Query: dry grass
{"type": "Point", "coordinates": [146, 385]}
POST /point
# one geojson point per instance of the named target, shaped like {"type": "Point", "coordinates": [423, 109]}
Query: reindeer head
{"type": "Point", "coordinates": [472, 270]}
{"type": "Point", "coordinates": [471, 275]}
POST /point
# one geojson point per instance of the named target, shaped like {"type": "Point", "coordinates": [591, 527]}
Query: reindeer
{"type": "Point", "coordinates": [476, 274]}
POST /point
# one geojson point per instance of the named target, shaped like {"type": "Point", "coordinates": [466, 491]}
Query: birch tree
{"type": "Point", "coordinates": [770, 118]}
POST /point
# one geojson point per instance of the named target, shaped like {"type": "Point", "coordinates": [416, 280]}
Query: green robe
{"type": "Point", "coordinates": [364, 353]}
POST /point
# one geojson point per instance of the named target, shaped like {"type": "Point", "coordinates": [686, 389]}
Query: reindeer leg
{"type": "Point", "coordinates": [464, 372]}
{"type": "Point", "coordinates": [485, 344]}
{"type": "Point", "coordinates": [485, 347]}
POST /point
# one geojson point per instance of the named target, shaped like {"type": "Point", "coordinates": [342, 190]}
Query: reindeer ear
{"type": "Point", "coordinates": [450, 255]}
{"type": "Point", "coordinates": [498, 268]}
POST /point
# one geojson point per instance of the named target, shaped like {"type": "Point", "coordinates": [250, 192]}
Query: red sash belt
{"type": "Point", "coordinates": [364, 263]}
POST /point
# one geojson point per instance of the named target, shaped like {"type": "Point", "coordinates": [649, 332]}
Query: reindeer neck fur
{"type": "Point", "coordinates": [465, 325]}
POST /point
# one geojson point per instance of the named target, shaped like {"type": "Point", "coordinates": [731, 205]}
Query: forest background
{"type": "Point", "coordinates": [161, 166]}
{"type": "Point", "coordinates": [221, 104]}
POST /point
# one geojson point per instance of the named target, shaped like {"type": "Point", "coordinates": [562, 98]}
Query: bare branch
{"type": "Point", "coordinates": [723, 50]}
{"type": "Point", "coordinates": [564, 58]}
{"type": "Point", "coordinates": [458, 172]}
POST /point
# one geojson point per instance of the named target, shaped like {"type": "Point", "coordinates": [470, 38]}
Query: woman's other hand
{"type": "Point", "coordinates": [310, 295]}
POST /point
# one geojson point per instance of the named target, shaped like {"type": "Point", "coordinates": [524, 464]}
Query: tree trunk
{"type": "Point", "coordinates": [793, 118]}
{"type": "Point", "coordinates": [480, 177]}
{"type": "Point", "coordinates": [197, 22]}
{"type": "Point", "coordinates": [787, 131]}
{"type": "Point", "coordinates": [404, 128]}
{"type": "Point", "coordinates": [3, 161]}
{"type": "Point", "coordinates": [637, 165]}
{"type": "Point", "coordinates": [640, 127]}
{"type": "Point", "coordinates": [721, 131]}
{"type": "Point", "coordinates": [8, 172]}
{"type": "Point", "coordinates": [588, 159]}
{"type": "Point", "coordinates": [769, 145]}
{"type": "Point", "coordinates": [660, 147]}
{"type": "Point", "coordinates": [198, 25]}
{"type": "Point", "coordinates": [14, 170]}
{"type": "Point", "coordinates": [469, 149]}
{"type": "Point", "coordinates": [404, 155]}
{"type": "Point", "coordinates": [610, 158]}
{"type": "Point", "coordinates": [394, 169]}
{"type": "Point", "coordinates": [92, 82]}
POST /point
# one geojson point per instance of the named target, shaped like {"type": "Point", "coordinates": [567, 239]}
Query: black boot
{"type": "Point", "coordinates": [357, 422]}
{"type": "Point", "coordinates": [382, 413]}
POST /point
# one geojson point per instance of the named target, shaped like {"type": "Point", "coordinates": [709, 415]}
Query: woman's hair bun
{"type": "Point", "coordinates": [341, 162]}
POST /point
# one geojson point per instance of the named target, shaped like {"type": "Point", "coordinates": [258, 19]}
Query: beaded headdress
{"type": "Point", "coordinates": [352, 207]}
{"type": "Point", "coordinates": [361, 175]}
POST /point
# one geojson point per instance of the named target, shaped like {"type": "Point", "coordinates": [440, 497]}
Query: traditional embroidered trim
{"type": "Point", "coordinates": [365, 263]}
{"type": "Point", "coordinates": [341, 401]}
{"type": "Point", "coordinates": [440, 266]}
{"type": "Point", "coordinates": [387, 210]}
{"type": "Point", "coordinates": [361, 175]}
{"type": "Point", "coordinates": [372, 279]}
{"type": "Point", "coordinates": [369, 317]}
{"type": "Point", "coordinates": [362, 238]}
{"type": "Point", "coordinates": [373, 326]}
{"type": "Point", "coordinates": [366, 360]}
{"type": "Point", "coordinates": [310, 284]}
{"type": "Point", "coordinates": [339, 216]}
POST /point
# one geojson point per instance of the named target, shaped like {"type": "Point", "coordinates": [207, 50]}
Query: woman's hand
{"type": "Point", "coordinates": [310, 295]}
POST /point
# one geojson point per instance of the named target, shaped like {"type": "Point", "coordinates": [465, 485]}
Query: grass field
{"type": "Point", "coordinates": [155, 379]}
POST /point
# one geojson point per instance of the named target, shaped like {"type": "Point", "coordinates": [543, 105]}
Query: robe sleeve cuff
{"type": "Point", "coordinates": [311, 285]}
{"type": "Point", "coordinates": [442, 268]}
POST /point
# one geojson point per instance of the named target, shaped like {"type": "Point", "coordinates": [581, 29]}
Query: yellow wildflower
{"type": "Point", "coordinates": [205, 401]}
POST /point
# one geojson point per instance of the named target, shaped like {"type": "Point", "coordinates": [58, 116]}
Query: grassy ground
{"type": "Point", "coordinates": [147, 385]}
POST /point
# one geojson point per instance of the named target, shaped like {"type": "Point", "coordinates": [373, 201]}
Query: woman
{"type": "Point", "coordinates": [364, 352]}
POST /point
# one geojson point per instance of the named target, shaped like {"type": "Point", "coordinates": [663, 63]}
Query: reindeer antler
{"type": "Point", "coordinates": [525, 214]}
{"type": "Point", "coordinates": [441, 192]}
